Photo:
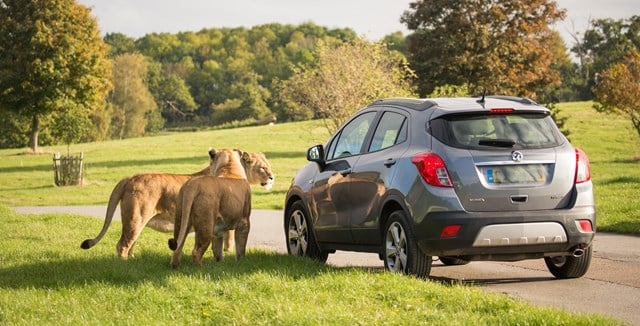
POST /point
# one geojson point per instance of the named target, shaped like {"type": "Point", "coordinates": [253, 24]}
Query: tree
{"type": "Point", "coordinates": [498, 45]}
{"type": "Point", "coordinates": [605, 43]}
{"type": "Point", "coordinates": [130, 97]}
{"type": "Point", "coordinates": [618, 89]}
{"type": "Point", "coordinates": [70, 126]}
{"type": "Point", "coordinates": [51, 59]}
{"type": "Point", "coordinates": [119, 44]}
{"type": "Point", "coordinates": [346, 77]}
{"type": "Point", "coordinates": [170, 92]}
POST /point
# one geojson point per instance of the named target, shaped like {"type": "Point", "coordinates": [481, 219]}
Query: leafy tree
{"type": "Point", "coordinates": [346, 77]}
{"type": "Point", "coordinates": [14, 130]}
{"type": "Point", "coordinates": [119, 44]}
{"type": "Point", "coordinates": [51, 59]}
{"type": "Point", "coordinates": [396, 41]}
{"type": "Point", "coordinates": [618, 89]}
{"type": "Point", "coordinates": [450, 91]}
{"type": "Point", "coordinates": [130, 98]}
{"type": "Point", "coordinates": [171, 94]}
{"type": "Point", "coordinates": [498, 45]}
{"type": "Point", "coordinates": [70, 126]}
{"type": "Point", "coordinates": [605, 44]}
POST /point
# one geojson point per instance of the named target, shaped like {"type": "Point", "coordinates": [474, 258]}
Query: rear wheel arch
{"type": "Point", "coordinates": [392, 204]}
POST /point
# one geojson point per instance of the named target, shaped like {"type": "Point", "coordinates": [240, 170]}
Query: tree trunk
{"type": "Point", "coordinates": [35, 130]}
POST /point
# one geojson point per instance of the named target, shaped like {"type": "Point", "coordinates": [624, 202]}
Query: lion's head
{"type": "Point", "coordinates": [258, 169]}
{"type": "Point", "coordinates": [227, 163]}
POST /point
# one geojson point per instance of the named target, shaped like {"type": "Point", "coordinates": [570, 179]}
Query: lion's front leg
{"type": "Point", "coordinates": [228, 240]}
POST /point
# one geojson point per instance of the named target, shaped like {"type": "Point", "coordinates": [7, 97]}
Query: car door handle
{"type": "Point", "coordinates": [390, 162]}
{"type": "Point", "coordinates": [344, 173]}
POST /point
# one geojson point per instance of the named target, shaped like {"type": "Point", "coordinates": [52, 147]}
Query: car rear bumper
{"type": "Point", "coordinates": [506, 235]}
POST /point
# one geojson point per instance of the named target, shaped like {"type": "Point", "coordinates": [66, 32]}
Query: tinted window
{"type": "Point", "coordinates": [352, 136]}
{"type": "Point", "coordinates": [391, 130]}
{"type": "Point", "coordinates": [506, 130]}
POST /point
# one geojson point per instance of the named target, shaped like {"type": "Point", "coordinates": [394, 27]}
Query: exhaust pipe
{"type": "Point", "coordinates": [577, 252]}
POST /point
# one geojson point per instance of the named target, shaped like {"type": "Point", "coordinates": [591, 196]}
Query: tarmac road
{"type": "Point", "coordinates": [611, 287]}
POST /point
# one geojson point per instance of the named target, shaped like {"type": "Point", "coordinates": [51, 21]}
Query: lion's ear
{"type": "Point", "coordinates": [212, 153]}
{"type": "Point", "coordinates": [246, 157]}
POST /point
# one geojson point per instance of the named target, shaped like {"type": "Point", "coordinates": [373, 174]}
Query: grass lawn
{"type": "Point", "coordinates": [613, 147]}
{"type": "Point", "coordinates": [46, 279]}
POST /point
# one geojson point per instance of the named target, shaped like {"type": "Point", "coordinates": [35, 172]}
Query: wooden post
{"type": "Point", "coordinates": [68, 170]}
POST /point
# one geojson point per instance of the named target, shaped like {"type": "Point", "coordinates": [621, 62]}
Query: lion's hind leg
{"type": "Point", "coordinates": [204, 233]}
{"type": "Point", "coordinates": [218, 252]}
{"type": "Point", "coordinates": [134, 219]}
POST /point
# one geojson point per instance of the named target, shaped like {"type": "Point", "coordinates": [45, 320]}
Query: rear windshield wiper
{"type": "Point", "coordinates": [497, 142]}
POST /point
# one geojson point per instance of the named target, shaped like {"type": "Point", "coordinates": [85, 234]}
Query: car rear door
{"type": "Point", "coordinates": [508, 162]}
{"type": "Point", "coordinates": [373, 173]}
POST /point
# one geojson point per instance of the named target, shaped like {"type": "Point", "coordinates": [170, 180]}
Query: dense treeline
{"type": "Point", "coordinates": [217, 76]}
{"type": "Point", "coordinates": [124, 87]}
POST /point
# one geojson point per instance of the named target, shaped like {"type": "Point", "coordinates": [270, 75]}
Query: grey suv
{"type": "Point", "coordinates": [462, 179]}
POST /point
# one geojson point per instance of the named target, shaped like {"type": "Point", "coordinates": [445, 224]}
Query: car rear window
{"type": "Point", "coordinates": [486, 131]}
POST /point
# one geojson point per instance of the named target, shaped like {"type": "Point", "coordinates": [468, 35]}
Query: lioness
{"type": "Point", "coordinates": [149, 199]}
{"type": "Point", "coordinates": [213, 205]}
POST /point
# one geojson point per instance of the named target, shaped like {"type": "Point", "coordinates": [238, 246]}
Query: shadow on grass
{"type": "Point", "coordinates": [151, 267]}
{"type": "Point", "coordinates": [113, 164]}
{"type": "Point", "coordinates": [631, 227]}
{"type": "Point", "coordinates": [618, 180]}
{"type": "Point", "coordinates": [277, 155]}
{"type": "Point", "coordinates": [197, 159]}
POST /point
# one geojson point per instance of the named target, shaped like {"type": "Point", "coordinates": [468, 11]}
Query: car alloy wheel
{"type": "Point", "coordinates": [401, 253]}
{"type": "Point", "coordinates": [298, 234]}
{"type": "Point", "coordinates": [396, 248]}
{"type": "Point", "coordinates": [300, 238]}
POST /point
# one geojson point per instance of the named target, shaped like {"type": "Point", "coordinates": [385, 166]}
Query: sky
{"type": "Point", "coordinates": [135, 18]}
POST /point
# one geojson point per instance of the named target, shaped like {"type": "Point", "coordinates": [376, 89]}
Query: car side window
{"type": "Point", "coordinates": [391, 130]}
{"type": "Point", "coordinates": [352, 136]}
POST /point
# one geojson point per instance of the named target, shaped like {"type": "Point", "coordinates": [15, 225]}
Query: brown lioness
{"type": "Point", "coordinates": [149, 199]}
{"type": "Point", "coordinates": [213, 205]}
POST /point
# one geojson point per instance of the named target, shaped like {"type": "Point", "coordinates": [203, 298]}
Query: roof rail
{"type": "Point", "coordinates": [523, 100]}
{"type": "Point", "coordinates": [412, 103]}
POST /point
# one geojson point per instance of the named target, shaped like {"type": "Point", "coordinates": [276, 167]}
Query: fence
{"type": "Point", "coordinates": [67, 170]}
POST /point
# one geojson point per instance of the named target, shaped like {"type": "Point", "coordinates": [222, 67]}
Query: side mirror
{"type": "Point", "coordinates": [316, 154]}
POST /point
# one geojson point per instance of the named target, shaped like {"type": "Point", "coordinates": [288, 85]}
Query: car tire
{"type": "Point", "coordinates": [453, 261]}
{"type": "Point", "coordinates": [569, 266]}
{"type": "Point", "coordinates": [300, 238]}
{"type": "Point", "coordinates": [400, 251]}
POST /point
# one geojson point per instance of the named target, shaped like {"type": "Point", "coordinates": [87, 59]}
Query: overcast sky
{"type": "Point", "coordinates": [136, 18]}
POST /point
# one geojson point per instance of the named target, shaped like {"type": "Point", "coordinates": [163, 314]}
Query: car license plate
{"type": "Point", "coordinates": [516, 174]}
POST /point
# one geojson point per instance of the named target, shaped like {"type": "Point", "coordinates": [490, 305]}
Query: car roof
{"type": "Point", "coordinates": [462, 104]}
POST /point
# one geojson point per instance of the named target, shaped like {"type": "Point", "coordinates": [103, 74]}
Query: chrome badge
{"type": "Point", "coordinates": [517, 156]}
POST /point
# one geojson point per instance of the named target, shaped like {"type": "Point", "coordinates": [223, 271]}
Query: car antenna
{"type": "Point", "coordinates": [481, 101]}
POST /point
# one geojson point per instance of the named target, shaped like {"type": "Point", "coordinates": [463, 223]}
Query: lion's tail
{"type": "Point", "coordinates": [114, 199]}
{"type": "Point", "coordinates": [183, 216]}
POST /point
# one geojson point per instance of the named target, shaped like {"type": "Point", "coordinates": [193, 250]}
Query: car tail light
{"type": "Point", "coordinates": [450, 231]}
{"type": "Point", "coordinates": [583, 173]}
{"type": "Point", "coordinates": [584, 226]}
{"type": "Point", "coordinates": [432, 169]}
{"type": "Point", "coordinates": [501, 110]}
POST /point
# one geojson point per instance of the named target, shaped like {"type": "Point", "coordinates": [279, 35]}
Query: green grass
{"type": "Point", "coordinates": [610, 142]}
{"type": "Point", "coordinates": [613, 147]}
{"type": "Point", "coordinates": [28, 179]}
{"type": "Point", "coordinates": [47, 279]}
